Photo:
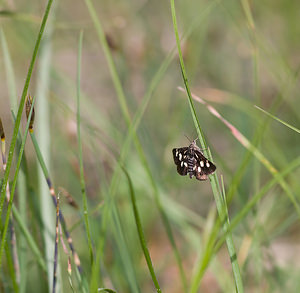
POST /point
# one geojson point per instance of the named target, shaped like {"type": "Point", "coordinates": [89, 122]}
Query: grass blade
{"type": "Point", "coordinates": [56, 246]}
{"type": "Point", "coordinates": [213, 179]}
{"type": "Point", "coordinates": [140, 231]}
{"type": "Point", "coordinates": [279, 120]}
{"type": "Point", "coordinates": [253, 149]}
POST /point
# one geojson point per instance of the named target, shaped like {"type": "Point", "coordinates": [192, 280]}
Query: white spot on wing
{"type": "Point", "coordinates": [199, 169]}
{"type": "Point", "coordinates": [181, 164]}
{"type": "Point", "coordinates": [176, 154]}
{"type": "Point", "coordinates": [201, 163]}
{"type": "Point", "coordinates": [207, 164]}
{"type": "Point", "coordinates": [180, 157]}
{"type": "Point", "coordinates": [194, 168]}
{"type": "Point", "coordinates": [185, 164]}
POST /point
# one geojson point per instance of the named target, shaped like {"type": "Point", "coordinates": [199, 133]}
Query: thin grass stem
{"type": "Point", "coordinates": [213, 179]}
{"type": "Point", "coordinates": [56, 245]}
{"type": "Point", "coordinates": [279, 120]}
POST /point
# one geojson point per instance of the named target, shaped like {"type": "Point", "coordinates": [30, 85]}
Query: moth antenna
{"type": "Point", "coordinates": [188, 138]}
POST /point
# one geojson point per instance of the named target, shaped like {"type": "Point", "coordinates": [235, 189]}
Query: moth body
{"type": "Point", "coordinates": [190, 160]}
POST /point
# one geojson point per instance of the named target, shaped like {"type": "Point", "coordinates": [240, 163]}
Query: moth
{"type": "Point", "coordinates": [190, 160]}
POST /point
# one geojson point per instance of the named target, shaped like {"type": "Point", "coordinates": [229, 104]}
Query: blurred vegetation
{"type": "Point", "coordinates": [125, 97]}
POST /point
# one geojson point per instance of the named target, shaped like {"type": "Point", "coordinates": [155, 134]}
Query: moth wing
{"type": "Point", "coordinates": [204, 167]}
{"type": "Point", "coordinates": [180, 161]}
{"type": "Point", "coordinates": [201, 176]}
{"type": "Point", "coordinates": [182, 170]}
{"type": "Point", "coordinates": [176, 153]}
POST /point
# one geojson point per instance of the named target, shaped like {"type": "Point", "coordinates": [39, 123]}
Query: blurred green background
{"type": "Point", "coordinates": [234, 60]}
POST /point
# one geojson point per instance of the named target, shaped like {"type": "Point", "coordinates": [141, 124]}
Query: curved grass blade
{"type": "Point", "coordinates": [279, 120]}
{"type": "Point", "coordinates": [140, 232]}
{"type": "Point", "coordinates": [250, 147]}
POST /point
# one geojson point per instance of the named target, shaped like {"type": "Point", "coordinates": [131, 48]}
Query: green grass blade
{"type": "Point", "coordinates": [279, 120]}
{"type": "Point", "coordinates": [140, 232]}
{"type": "Point", "coordinates": [213, 178]}
{"type": "Point", "coordinates": [126, 258]}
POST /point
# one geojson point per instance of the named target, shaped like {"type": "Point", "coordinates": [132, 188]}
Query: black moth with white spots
{"type": "Point", "coordinates": [190, 160]}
